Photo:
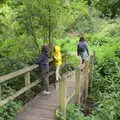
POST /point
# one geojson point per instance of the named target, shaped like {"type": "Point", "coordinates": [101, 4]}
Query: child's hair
{"type": "Point", "coordinates": [44, 48]}
{"type": "Point", "coordinates": [82, 39]}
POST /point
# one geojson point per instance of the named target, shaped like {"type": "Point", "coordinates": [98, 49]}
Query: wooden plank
{"type": "Point", "coordinates": [69, 74]}
{"type": "Point", "coordinates": [118, 67]}
{"type": "Point", "coordinates": [82, 83]}
{"type": "Point", "coordinates": [62, 96]}
{"type": "Point", "coordinates": [77, 87]}
{"type": "Point", "coordinates": [92, 67]}
{"type": "Point", "coordinates": [19, 92]}
{"type": "Point", "coordinates": [27, 82]}
{"type": "Point", "coordinates": [51, 73]}
{"type": "Point", "coordinates": [70, 97]}
{"type": "Point", "coordinates": [0, 93]}
{"type": "Point", "coordinates": [28, 86]}
{"type": "Point", "coordinates": [27, 78]}
{"type": "Point", "coordinates": [50, 60]}
{"type": "Point", "coordinates": [86, 79]}
{"type": "Point", "coordinates": [17, 73]}
{"type": "Point", "coordinates": [90, 73]}
{"type": "Point", "coordinates": [42, 102]}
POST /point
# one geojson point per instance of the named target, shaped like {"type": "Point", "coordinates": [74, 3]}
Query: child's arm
{"type": "Point", "coordinates": [78, 53]}
{"type": "Point", "coordinates": [87, 48]}
{"type": "Point", "coordinates": [41, 58]}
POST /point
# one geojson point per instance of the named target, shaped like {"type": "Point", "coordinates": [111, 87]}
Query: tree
{"type": "Point", "coordinates": [108, 7]}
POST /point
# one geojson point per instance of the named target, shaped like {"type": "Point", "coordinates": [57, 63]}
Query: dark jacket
{"type": "Point", "coordinates": [43, 61]}
{"type": "Point", "coordinates": [82, 47]}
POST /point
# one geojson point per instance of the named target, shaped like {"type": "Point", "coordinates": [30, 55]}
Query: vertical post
{"type": "Point", "coordinates": [86, 79]}
{"type": "Point", "coordinates": [27, 82]}
{"type": "Point", "coordinates": [27, 78]}
{"type": "Point", "coordinates": [90, 73]}
{"type": "Point", "coordinates": [62, 96]}
{"type": "Point", "coordinates": [92, 68]}
{"type": "Point", "coordinates": [82, 83]}
{"type": "Point", "coordinates": [77, 88]}
{"type": "Point", "coordinates": [0, 93]}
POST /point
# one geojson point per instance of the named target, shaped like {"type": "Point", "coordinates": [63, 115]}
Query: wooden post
{"type": "Point", "coordinates": [27, 78]}
{"type": "Point", "coordinates": [27, 82]}
{"type": "Point", "coordinates": [82, 83]}
{"type": "Point", "coordinates": [86, 79]}
{"type": "Point", "coordinates": [77, 88]}
{"type": "Point", "coordinates": [90, 73]}
{"type": "Point", "coordinates": [62, 96]}
{"type": "Point", "coordinates": [0, 93]}
{"type": "Point", "coordinates": [92, 68]}
{"type": "Point", "coordinates": [93, 61]}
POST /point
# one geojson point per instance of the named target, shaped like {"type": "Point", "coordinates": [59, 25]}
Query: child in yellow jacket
{"type": "Point", "coordinates": [58, 60]}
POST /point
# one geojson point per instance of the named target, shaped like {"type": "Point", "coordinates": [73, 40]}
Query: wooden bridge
{"type": "Point", "coordinates": [73, 85]}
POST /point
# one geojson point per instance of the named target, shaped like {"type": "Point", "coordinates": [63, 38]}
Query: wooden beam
{"type": "Point", "coordinates": [92, 67]}
{"type": "Point", "coordinates": [51, 73]}
{"type": "Point", "coordinates": [90, 73]}
{"type": "Point", "coordinates": [27, 82]}
{"type": "Point", "coordinates": [17, 73]}
{"type": "Point", "coordinates": [86, 79]}
{"type": "Point", "coordinates": [62, 96]}
{"type": "Point", "coordinates": [0, 93]}
{"type": "Point", "coordinates": [27, 78]}
{"type": "Point", "coordinates": [77, 87]}
{"type": "Point", "coordinates": [19, 92]}
{"type": "Point", "coordinates": [70, 97]}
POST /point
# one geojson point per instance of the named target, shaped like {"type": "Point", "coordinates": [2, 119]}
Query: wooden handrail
{"type": "Point", "coordinates": [9, 76]}
{"type": "Point", "coordinates": [28, 85]}
{"type": "Point", "coordinates": [17, 73]}
{"type": "Point", "coordinates": [84, 76]}
{"type": "Point", "coordinates": [23, 90]}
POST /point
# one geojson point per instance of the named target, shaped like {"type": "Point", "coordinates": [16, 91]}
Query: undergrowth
{"type": "Point", "coordinates": [8, 111]}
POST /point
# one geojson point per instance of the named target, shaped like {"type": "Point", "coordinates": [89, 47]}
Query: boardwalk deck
{"type": "Point", "coordinates": [43, 107]}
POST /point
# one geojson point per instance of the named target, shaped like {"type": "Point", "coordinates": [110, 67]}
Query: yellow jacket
{"type": "Point", "coordinates": [57, 56]}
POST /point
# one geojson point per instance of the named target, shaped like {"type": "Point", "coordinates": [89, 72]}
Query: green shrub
{"type": "Point", "coordinates": [8, 111]}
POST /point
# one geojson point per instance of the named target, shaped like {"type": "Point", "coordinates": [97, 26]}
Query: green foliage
{"type": "Point", "coordinates": [108, 7]}
{"type": "Point", "coordinates": [8, 111]}
{"type": "Point", "coordinates": [67, 44]}
{"type": "Point", "coordinates": [59, 115]}
{"type": "Point", "coordinates": [74, 113]}
{"type": "Point", "coordinates": [26, 25]}
{"type": "Point", "coordinates": [105, 91]}
{"type": "Point", "coordinates": [105, 94]}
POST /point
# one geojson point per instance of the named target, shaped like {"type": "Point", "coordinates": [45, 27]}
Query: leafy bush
{"type": "Point", "coordinates": [8, 111]}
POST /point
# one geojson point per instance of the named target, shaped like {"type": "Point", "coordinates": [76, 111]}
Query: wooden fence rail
{"type": "Point", "coordinates": [83, 80]}
{"type": "Point", "coordinates": [28, 85]}
{"type": "Point", "coordinates": [84, 76]}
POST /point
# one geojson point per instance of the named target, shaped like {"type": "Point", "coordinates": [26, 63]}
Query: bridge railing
{"type": "Point", "coordinates": [27, 80]}
{"type": "Point", "coordinates": [83, 80]}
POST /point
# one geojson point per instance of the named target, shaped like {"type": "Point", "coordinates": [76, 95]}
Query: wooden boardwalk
{"type": "Point", "coordinates": [43, 107]}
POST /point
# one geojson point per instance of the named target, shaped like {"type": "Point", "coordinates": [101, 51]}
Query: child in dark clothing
{"type": "Point", "coordinates": [44, 68]}
{"type": "Point", "coordinates": [82, 49]}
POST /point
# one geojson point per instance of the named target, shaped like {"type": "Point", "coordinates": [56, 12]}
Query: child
{"type": "Point", "coordinates": [44, 68]}
{"type": "Point", "coordinates": [82, 49]}
{"type": "Point", "coordinates": [58, 60]}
